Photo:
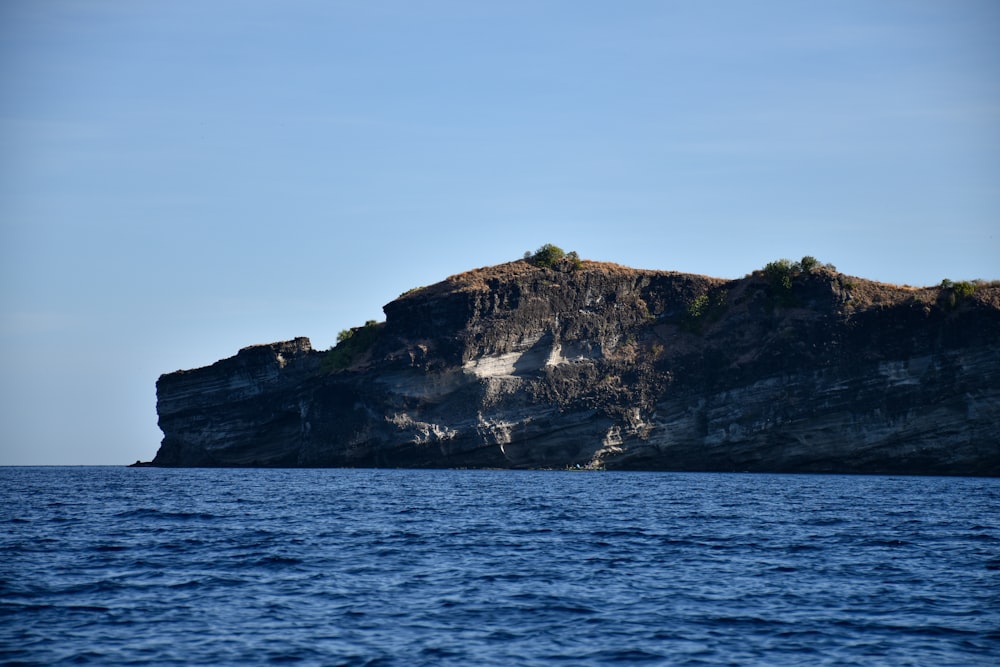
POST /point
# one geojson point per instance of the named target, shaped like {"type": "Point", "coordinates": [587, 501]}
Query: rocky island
{"type": "Point", "coordinates": [551, 361]}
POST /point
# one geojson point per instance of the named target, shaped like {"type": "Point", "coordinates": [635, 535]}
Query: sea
{"type": "Point", "coordinates": [151, 566]}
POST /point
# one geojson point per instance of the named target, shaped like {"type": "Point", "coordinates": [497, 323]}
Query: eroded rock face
{"type": "Point", "coordinates": [520, 366]}
{"type": "Point", "coordinates": [251, 409]}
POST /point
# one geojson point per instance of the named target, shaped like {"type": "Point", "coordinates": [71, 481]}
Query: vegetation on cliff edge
{"type": "Point", "coordinates": [551, 256]}
{"type": "Point", "coordinates": [351, 344]}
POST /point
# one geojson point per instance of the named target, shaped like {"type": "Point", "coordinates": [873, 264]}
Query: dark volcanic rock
{"type": "Point", "coordinates": [520, 366]}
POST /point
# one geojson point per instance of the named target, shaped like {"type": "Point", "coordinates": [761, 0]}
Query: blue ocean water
{"type": "Point", "coordinates": [125, 566]}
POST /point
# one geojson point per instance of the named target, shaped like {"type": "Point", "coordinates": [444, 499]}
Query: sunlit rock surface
{"type": "Point", "coordinates": [520, 366]}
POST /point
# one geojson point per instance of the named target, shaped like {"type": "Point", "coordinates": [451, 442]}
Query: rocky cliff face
{"type": "Point", "coordinates": [601, 365]}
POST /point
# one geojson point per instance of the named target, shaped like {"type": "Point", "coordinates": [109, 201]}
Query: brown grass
{"type": "Point", "coordinates": [864, 293]}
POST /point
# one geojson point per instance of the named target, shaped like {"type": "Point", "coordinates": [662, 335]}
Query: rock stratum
{"type": "Point", "coordinates": [599, 365]}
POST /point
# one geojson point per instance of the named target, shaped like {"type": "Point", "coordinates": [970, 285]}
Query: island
{"type": "Point", "coordinates": [551, 361]}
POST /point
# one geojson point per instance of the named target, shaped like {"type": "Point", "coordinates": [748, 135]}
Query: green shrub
{"type": "Point", "coordinates": [574, 260]}
{"type": "Point", "coordinates": [698, 307]}
{"type": "Point", "coordinates": [553, 257]}
{"type": "Point", "coordinates": [705, 308]}
{"type": "Point", "coordinates": [952, 294]}
{"type": "Point", "coordinates": [963, 289]}
{"type": "Point", "coordinates": [351, 344]}
{"type": "Point", "coordinates": [779, 273]}
{"type": "Point", "coordinates": [808, 264]}
{"type": "Point", "coordinates": [548, 256]}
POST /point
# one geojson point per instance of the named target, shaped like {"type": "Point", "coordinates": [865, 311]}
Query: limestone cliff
{"type": "Point", "coordinates": [601, 365]}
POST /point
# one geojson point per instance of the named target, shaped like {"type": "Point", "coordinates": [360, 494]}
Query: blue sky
{"type": "Point", "coordinates": [181, 179]}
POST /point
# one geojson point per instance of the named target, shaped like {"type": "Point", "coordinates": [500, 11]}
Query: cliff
{"type": "Point", "coordinates": [517, 365]}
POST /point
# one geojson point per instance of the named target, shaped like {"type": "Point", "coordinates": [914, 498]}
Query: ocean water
{"type": "Point", "coordinates": [125, 566]}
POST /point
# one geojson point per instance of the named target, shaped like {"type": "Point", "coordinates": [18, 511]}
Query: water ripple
{"type": "Point", "coordinates": [115, 566]}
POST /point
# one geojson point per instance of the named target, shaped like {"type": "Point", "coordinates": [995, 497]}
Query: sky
{"type": "Point", "coordinates": [181, 179]}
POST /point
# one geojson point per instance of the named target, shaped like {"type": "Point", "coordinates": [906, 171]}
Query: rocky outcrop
{"type": "Point", "coordinates": [251, 409]}
{"type": "Point", "coordinates": [521, 366]}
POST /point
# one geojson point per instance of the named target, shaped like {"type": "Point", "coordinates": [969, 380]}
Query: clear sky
{"type": "Point", "coordinates": [182, 178]}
